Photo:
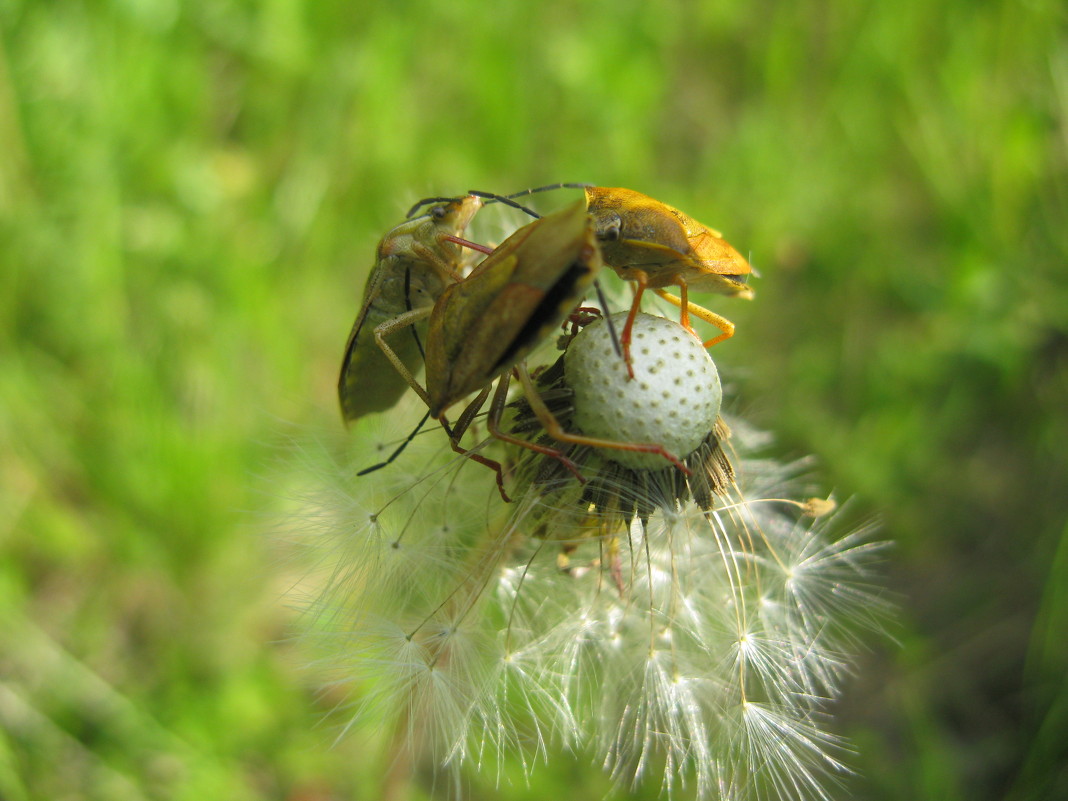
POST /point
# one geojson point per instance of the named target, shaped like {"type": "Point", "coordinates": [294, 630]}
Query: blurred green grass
{"type": "Point", "coordinates": [190, 195]}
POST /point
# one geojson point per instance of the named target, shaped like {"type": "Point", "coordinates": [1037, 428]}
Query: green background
{"type": "Point", "coordinates": [190, 195]}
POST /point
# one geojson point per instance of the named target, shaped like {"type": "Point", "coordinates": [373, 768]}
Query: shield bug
{"type": "Point", "coordinates": [655, 245]}
{"type": "Point", "coordinates": [415, 261]}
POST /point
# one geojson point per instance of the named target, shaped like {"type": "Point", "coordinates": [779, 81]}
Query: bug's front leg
{"type": "Point", "coordinates": [382, 330]}
{"type": "Point", "coordinates": [641, 280]}
{"type": "Point", "coordinates": [701, 313]}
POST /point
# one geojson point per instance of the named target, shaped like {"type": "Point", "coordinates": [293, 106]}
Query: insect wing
{"type": "Point", "coordinates": [369, 382]}
{"type": "Point", "coordinates": [725, 269]}
{"type": "Point", "coordinates": [357, 352]}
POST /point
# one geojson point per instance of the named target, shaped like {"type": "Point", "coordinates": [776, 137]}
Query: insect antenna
{"type": "Point", "coordinates": [506, 200]}
{"type": "Point", "coordinates": [427, 200]}
{"type": "Point", "coordinates": [608, 319]}
{"type": "Point", "coordinates": [549, 188]}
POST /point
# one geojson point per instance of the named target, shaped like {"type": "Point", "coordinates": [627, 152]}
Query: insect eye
{"type": "Point", "coordinates": [439, 212]}
{"type": "Point", "coordinates": [611, 229]}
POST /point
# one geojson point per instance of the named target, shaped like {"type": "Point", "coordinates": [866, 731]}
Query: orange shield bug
{"type": "Point", "coordinates": [416, 260]}
{"type": "Point", "coordinates": [655, 245]}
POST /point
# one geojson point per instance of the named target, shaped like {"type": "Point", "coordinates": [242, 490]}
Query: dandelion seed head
{"type": "Point", "coordinates": [686, 632]}
{"type": "Point", "coordinates": [673, 398]}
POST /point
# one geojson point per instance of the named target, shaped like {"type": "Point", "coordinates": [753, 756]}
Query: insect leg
{"type": "Point", "coordinates": [641, 280]}
{"type": "Point", "coordinates": [485, 250]}
{"type": "Point", "coordinates": [395, 324]}
{"type": "Point", "coordinates": [556, 431]}
{"type": "Point", "coordinates": [457, 431]}
{"type": "Point", "coordinates": [445, 270]}
{"type": "Point", "coordinates": [684, 307]}
{"type": "Point", "coordinates": [494, 418]}
{"type": "Point", "coordinates": [408, 319]}
{"type": "Point", "coordinates": [701, 313]}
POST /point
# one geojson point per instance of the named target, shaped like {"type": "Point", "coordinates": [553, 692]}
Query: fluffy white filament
{"type": "Point", "coordinates": [697, 651]}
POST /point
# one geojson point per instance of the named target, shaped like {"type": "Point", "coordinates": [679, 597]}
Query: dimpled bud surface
{"type": "Point", "coordinates": [673, 400]}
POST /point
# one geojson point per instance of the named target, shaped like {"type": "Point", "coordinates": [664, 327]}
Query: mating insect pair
{"type": "Point", "coordinates": [481, 325]}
